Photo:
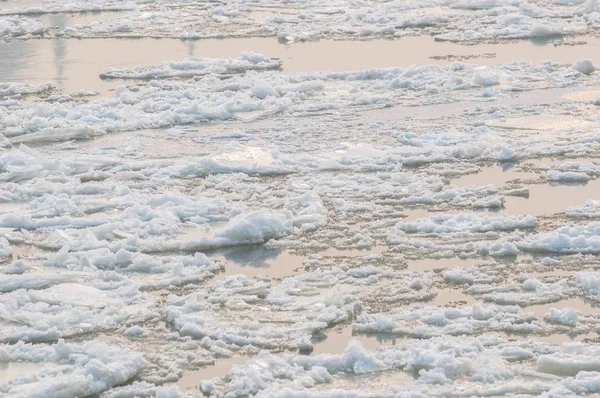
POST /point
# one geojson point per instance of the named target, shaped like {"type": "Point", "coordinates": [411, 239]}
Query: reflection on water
{"type": "Point", "coordinates": [259, 260]}
{"type": "Point", "coordinates": [563, 196]}
{"type": "Point", "coordinates": [76, 64]}
{"type": "Point", "coordinates": [59, 48]}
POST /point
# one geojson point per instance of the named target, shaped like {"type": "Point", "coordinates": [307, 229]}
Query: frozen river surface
{"type": "Point", "coordinates": [299, 199]}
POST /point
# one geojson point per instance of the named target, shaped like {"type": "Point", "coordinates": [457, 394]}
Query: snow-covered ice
{"type": "Point", "coordinates": [195, 67]}
{"type": "Point", "coordinates": [16, 26]}
{"type": "Point", "coordinates": [71, 369]}
{"type": "Point", "coordinates": [218, 210]}
{"type": "Point", "coordinates": [447, 20]}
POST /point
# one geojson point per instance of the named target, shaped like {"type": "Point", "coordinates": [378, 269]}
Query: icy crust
{"type": "Point", "coordinates": [110, 244]}
{"type": "Point", "coordinates": [69, 309]}
{"type": "Point", "coordinates": [238, 313]}
{"type": "Point", "coordinates": [261, 226]}
{"type": "Point", "coordinates": [589, 209]}
{"type": "Point", "coordinates": [11, 282]}
{"type": "Point", "coordinates": [5, 249]}
{"type": "Point", "coordinates": [445, 20]}
{"type": "Point", "coordinates": [577, 172]}
{"type": "Point", "coordinates": [465, 223]}
{"type": "Point", "coordinates": [69, 370]}
{"type": "Point", "coordinates": [574, 172]}
{"type": "Point", "coordinates": [237, 158]}
{"type": "Point", "coordinates": [257, 94]}
{"type": "Point", "coordinates": [123, 219]}
{"type": "Point", "coordinates": [440, 366]}
{"type": "Point", "coordinates": [98, 213]}
{"type": "Point", "coordinates": [19, 27]}
{"type": "Point", "coordinates": [424, 322]}
{"type": "Point", "coordinates": [567, 239]}
{"type": "Point", "coordinates": [149, 223]}
{"type": "Point", "coordinates": [196, 67]}
{"type": "Point", "coordinates": [467, 233]}
{"type": "Point", "coordinates": [221, 316]}
{"type": "Point", "coordinates": [60, 6]}
{"type": "Point", "coordinates": [567, 176]}
{"type": "Point", "coordinates": [102, 225]}
{"type": "Point", "coordinates": [148, 272]}
{"type": "Point", "coordinates": [18, 89]}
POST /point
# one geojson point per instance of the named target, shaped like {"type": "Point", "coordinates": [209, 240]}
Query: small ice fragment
{"type": "Point", "coordinates": [135, 330]}
{"type": "Point", "coordinates": [566, 316]}
{"type": "Point", "coordinates": [585, 66]}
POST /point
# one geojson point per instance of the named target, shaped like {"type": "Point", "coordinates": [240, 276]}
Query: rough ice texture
{"type": "Point", "coordinates": [585, 66]}
{"type": "Point", "coordinates": [68, 309]}
{"type": "Point", "coordinates": [16, 89]}
{"type": "Point", "coordinates": [456, 20]}
{"type": "Point", "coordinates": [195, 67]}
{"type": "Point", "coordinates": [259, 94]}
{"type": "Point", "coordinates": [19, 26]}
{"type": "Point", "coordinates": [465, 223]}
{"type": "Point", "coordinates": [102, 237]}
{"type": "Point", "coordinates": [589, 209]}
{"type": "Point", "coordinates": [441, 366]}
{"type": "Point", "coordinates": [427, 322]}
{"type": "Point", "coordinates": [567, 176]}
{"type": "Point", "coordinates": [70, 370]}
{"type": "Point", "coordinates": [212, 315]}
{"type": "Point", "coordinates": [566, 239]}
{"type": "Point", "coordinates": [566, 316]}
{"type": "Point", "coordinates": [5, 249]}
{"type": "Point", "coordinates": [589, 282]}
{"type": "Point", "coordinates": [590, 168]}
{"type": "Point", "coordinates": [57, 6]}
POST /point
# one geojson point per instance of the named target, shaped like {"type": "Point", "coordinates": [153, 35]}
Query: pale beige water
{"type": "Point", "coordinates": [428, 264]}
{"type": "Point", "coordinates": [586, 95]}
{"type": "Point", "coordinates": [191, 378]}
{"type": "Point", "coordinates": [566, 338]}
{"type": "Point", "coordinates": [414, 213]}
{"type": "Point", "coordinates": [546, 199]}
{"type": "Point", "coordinates": [452, 297]}
{"type": "Point", "coordinates": [333, 252]}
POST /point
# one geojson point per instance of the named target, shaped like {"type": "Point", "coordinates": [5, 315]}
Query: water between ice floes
{"type": "Point", "coordinates": [73, 65]}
